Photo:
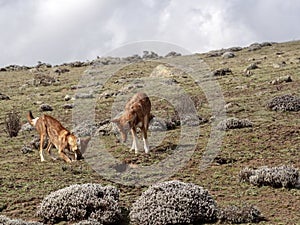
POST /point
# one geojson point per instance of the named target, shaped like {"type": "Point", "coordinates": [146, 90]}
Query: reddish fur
{"type": "Point", "coordinates": [58, 136]}
{"type": "Point", "coordinates": [137, 112]}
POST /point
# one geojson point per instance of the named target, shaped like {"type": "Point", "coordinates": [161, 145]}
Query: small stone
{"type": "Point", "coordinates": [4, 97]}
{"type": "Point", "coordinates": [45, 107]}
{"type": "Point", "coordinates": [227, 55]}
{"type": "Point", "coordinates": [67, 98]}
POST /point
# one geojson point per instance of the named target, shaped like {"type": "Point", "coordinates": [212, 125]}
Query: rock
{"type": "Point", "coordinates": [108, 94]}
{"type": "Point", "coordinates": [11, 68]}
{"type": "Point", "coordinates": [85, 129]}
{"type": "Point", "coordinates": [235, 49]}
{"type": "Point", "coordinates": [68, 106]}
{"type": "Point", "coordinates": [43, 80]}
{"type": "Point", "coordinates": [77, 64]}
{"type": "Point", "coordinates": [266, 44]}
{"type": "Point", "coordinates": [248, 73]}
{"type": "Point", "coordinates": [222, 72]}
{"type": "Point", "coordinates": [84, 95]}
{"type": "Point", "coordinates": [252, 66]}
{"type": "Point", "coordinates": [254, 47]}
{"type": "Point", "coordinates": [280, 80]}
{"type": "Point", "coordinates": [61, 70]}
{"type": "Point", "coordinates": [150, 55]}
{"type": "Point", "coordinates": [26, 127]}
{"type": "Point", "coordinates": [170, 81]}
{"type": "Point", "coordinates": [190, 120]}
{"type": "Point", "coordinates": [43, 65]}
{"type": "Point", "coordinates": [108, 60]}
{"type": "Point", "coordinates": [45, 107]}
{"type": "Point", "coordinates": [67, 98]}
{"type": "Point", "coordinates": [129, 88]}
{"type": "Point", "coordinates": [215, 53]}
{"type": "Point", "coordinates": [4, 97]}
{"type": "Point", "coordinates": [157, 124]}
{"type": "Point", "coordinates": [227, 55]}
{"type": "Point", "coordinates": [39, 102]}
{"type": "Point", "coordinates": [258, 46]}
{"type": "Point", "coordinates": [279, 65]}
{"type": "Point", "coordinates": [161, 71]}
{"type": "Point", "coordinates": [132, 59]}
{"type": "Point", "coordinates": [104, 128]}
{"type": "Point", "coordinates": [172, 54]}
{"type": "Point", "coordinates": [166, 71]}
{"type": "Point", "coordinates": [296, 60]}
{"type": "Point", "coordinates": [230, 105]}
{"type": "Point", "coordinates": [35, 143]}
{"type": "Point", "coordinates": [25, 149]}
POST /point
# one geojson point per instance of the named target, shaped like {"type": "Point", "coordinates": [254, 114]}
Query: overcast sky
{"type": "Point", "coordinates": [58, 31]}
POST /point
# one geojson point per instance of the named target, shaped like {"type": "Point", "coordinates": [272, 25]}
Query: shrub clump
{"type": "Point", "coordinates": [13, 124]}
{"type": "Point", "coordinates": [7, 221]}
{"type": "Point", "coordinates": [234, 123]}
{"type": "Point", "coordinates": [174, 202]}
{"type": "Point", "coordinates": [236, 214]}
{"type": "Point", "coordinates": [81, 202]}
{"type": "Point", "coordinates": [282, 176]}
{"type": "Point", "coordinates": [284, 103]}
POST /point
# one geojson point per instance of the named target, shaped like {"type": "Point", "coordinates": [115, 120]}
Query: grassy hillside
{"type": "Point", "coordinates": [273, 140]}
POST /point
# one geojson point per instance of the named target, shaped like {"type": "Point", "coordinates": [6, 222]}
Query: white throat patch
{"type": "Point", "coordinates": [35, 120]}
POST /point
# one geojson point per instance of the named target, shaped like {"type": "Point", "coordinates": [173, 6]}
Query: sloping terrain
{"type": "Point", "coordinates": [248, 79]}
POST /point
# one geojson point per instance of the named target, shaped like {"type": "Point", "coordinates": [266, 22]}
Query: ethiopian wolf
{"type": "Point", "coordinates": [58, 136]}
{"type": "Point", "coordinates": [136, 115]}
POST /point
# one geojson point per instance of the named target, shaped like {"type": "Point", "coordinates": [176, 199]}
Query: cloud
{"type": "Point", "coordinates": [58, 31]}
{"type": "Point", "coordinates": [269, 19]}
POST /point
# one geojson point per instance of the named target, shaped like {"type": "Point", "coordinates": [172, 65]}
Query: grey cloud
{"type": "Point", "coordinates": [57, 31]}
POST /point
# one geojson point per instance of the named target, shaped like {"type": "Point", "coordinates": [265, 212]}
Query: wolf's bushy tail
{"type": "Point", "coordinates": [30, 118]}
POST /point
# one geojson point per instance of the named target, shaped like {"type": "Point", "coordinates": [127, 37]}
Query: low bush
{"type": "Point", "coordinates": [81, 202]}
{"type": "Point", "coordinates": [284, 103]}
{"type": "Point", "coordinates": [234, 123]}
{"type": "Point", "coordinates": [13, 123]}
{"type": "Point", "coordinates": [282, 176]}
{"type": "Point", "coordinates": [174, 202]}
{"type": "Point", "coordinates": [237, 215]}
{"type": "Point", "coordinates": [7, 221]}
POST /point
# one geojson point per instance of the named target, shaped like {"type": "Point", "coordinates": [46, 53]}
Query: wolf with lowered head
{"type": "Point", "coordinates": [136, 115]}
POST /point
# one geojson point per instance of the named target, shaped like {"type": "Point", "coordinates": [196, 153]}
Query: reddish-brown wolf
{"type": "Point", "coordinates": [58, 136]}
{"type": "Point", "coordinates": [136, 114]}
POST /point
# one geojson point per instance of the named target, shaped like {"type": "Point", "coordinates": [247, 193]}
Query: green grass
{"type": "Point", "coordinates": [272, 141]}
